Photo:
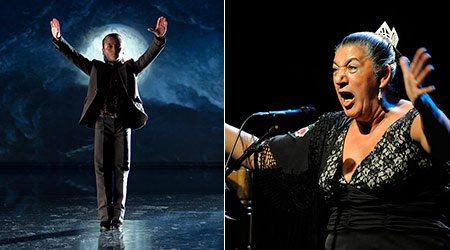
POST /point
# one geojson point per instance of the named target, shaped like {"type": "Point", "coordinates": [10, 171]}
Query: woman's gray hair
{"type": "Point", "coordinates": [379, 50]}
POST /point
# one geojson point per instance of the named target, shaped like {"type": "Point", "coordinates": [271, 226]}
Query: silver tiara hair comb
{"type": "Point", "coordinates": [387, 33]}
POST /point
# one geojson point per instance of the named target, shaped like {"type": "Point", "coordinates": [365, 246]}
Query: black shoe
{"type": "Point", "coordinates": [117, 226]}
{"type": "Point", "coordinates": [105, 226]}
{"type": "Point", "coordinates": [104, 229]}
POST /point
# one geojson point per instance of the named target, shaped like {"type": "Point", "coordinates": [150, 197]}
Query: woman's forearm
{"type": "Point", "coordinates": [436, 127]}
{"type": "Point", "coordinates": [244, 141]}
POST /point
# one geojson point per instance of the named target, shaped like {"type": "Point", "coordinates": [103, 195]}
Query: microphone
{"type": "Point", "coordinates": [303, 109]}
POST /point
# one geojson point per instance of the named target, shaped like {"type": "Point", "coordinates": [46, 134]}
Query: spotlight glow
{"type": "Point", "coordinates": [133, 43]}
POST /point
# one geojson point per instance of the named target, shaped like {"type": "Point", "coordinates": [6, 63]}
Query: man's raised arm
{"type": "Point", "coordinates": [68, 51]}
{"type": "Point", "coordinates": [155, 47]}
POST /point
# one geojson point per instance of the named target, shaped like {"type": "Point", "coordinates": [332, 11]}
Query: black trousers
{"type": "Point", "coordinates": [112, 156]}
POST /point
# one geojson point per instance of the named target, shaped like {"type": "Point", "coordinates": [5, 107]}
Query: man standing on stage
{"type": "Point", "coordinates": [113, 107]}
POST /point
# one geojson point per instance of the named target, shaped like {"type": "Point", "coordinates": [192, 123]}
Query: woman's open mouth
{"type": "Point", "coordinates": [347, 99]}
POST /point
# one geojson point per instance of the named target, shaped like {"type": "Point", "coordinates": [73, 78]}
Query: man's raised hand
{"type": "Point", "coordinates": [54, 24]}
{"type": "Point", "coordinates": [161, 27]}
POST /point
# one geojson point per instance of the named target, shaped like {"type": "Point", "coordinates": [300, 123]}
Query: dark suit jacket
{"type": "Point", "coordinates": [135, 116]}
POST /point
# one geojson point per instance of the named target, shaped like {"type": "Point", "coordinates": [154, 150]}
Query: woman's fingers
{"type": "Point", "coordinates": [416, 57]}
{"type": "Point", "coordinates": [418, 67]}
{"type": "Point", "coordinates": [419, 64]}
{"type": "Point", "coordinates": [423, 74]}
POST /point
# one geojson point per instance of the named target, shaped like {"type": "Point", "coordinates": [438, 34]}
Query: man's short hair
{"type": "Point", "coordinates": [111, 35]}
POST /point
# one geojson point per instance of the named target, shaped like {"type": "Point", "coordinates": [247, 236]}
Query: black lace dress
{"type": "Point", "coordinates": [396, 199]}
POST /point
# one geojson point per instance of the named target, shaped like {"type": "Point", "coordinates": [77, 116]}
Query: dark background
{"type": "Point", "coordinates": [42, 94]}
{"type": "Point", "coordinates": [279, 56]}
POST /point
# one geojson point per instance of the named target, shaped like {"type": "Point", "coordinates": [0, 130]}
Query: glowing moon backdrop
{"type": "Point", "coordinates": [133, 46]}
{"type": "Point", "coordinates": [42, 94]}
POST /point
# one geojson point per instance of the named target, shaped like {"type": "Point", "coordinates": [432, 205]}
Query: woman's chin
{"type": "Point", "coordinates": [351, 112]}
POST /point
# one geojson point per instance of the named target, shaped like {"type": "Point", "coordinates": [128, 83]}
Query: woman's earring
{"type": "Point", "coordinates": [380, 95]}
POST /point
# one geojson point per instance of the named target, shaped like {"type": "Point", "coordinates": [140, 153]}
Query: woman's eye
{"type": "Point", "coordinates": [352, 68]}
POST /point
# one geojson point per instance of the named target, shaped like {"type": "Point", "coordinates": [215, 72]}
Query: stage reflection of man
{"type": "Point", "coordinates": [111, 240]}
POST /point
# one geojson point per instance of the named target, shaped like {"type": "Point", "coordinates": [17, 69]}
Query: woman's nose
{"type": "Point", "coordinates": [340, 76]}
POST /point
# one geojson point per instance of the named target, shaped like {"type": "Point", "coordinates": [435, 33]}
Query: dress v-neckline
{"type": "Point", "coordinates": [341, 148]}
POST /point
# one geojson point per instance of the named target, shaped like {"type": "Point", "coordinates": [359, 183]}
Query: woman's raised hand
{"type": "Point", "coordinates": [414, 74]}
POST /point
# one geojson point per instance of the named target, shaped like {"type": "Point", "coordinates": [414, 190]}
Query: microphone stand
{"type": "Point", "coordinates": [254, 148]}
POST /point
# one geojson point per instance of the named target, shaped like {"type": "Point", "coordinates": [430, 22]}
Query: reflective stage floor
{"type": "Point", "coordinates": [166, 209]}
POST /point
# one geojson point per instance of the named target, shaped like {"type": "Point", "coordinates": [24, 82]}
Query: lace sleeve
{"type": "Point", "coordinates": [265, 159]}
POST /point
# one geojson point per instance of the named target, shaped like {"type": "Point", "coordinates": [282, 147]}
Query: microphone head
{"type": "Point", "coordinates": [308, 110]}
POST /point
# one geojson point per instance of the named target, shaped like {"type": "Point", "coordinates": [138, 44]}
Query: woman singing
{"type": "Point", "coordinates": [380, 167]}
